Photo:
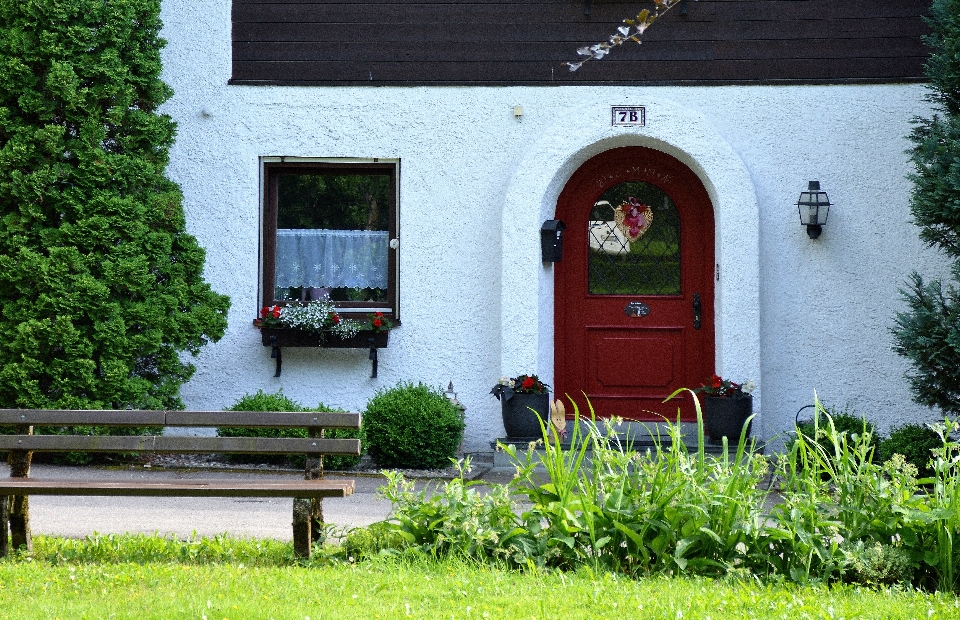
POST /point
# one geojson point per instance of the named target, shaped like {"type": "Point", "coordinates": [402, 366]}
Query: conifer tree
{"type": "Point", "coordinates": [929, 333]}
{"type": "Point", "coordinates": [101, 287]}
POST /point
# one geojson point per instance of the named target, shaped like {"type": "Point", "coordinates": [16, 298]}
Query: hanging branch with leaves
{"type": "Point", "coordinates": [630, 31]}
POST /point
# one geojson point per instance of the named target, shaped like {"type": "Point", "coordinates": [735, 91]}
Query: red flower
{"type": "Point", "coordinates": [528, 383]}
{"type": "Point", "coordinates": [717, 382]}
{"type": "Point", "coordinates": [334, 318]}
{"type": "Point", "coordinates": [378, 314]}
{"type": "Point", "coordinates": [265, 311]}
{"type": "Point", "coordinates": [377, 323]}
{"type": "Point", "coordinates": [276, 312]}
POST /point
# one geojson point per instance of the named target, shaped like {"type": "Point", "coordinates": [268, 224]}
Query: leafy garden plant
{"type": "Point", "coordinates": [604, 502]}
{"type": "Point", "coordinates": [262, 401]}
{"type": "Point", "coordinates": [916, 442]}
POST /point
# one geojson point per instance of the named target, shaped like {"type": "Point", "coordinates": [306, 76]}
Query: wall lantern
{"type": "Point", "coordinates": [551, 241]}
{"type": "Point", "coordinates": [814, 206]}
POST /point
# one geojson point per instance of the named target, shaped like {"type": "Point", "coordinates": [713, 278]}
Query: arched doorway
{"type": "Point", "coordinates": [633, 305]}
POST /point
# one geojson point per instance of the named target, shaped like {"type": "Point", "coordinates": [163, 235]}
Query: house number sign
{"type": "Point", "coordinates": [628, 116]}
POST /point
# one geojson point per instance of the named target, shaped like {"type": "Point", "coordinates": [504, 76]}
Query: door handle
{"type": "Point", "coordinates": [697, 311]}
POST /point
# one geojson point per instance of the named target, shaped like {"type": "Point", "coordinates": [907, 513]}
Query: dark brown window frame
{"type": "Point", "coordinates": [271, 168]}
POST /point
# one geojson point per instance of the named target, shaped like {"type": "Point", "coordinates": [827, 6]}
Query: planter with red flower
{"type": "Point", "coordinates": [318, 324]}
{"type": "Point", "coordinates": [524, 401]}
{"type": "Point", "coordinates": [726, 408]}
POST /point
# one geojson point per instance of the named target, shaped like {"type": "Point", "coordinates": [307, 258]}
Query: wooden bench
{"type": "Point", "coordinates": [307, 493]}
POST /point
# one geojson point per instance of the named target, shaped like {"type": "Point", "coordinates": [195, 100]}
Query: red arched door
{"type": "Point", "coordinates": [634, 291]}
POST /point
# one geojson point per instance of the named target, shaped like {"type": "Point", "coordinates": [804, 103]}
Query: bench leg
{"type": "Point", "coordinates": [314, 471]}
{"type": "Point", "coordinates": [19, 509]}
{"type": "Point", "coordinates": [302, 539]}
{"type": "Point", "coordinates": [4, 526]}
{"type": "Point", "coordinates": [19, 516]}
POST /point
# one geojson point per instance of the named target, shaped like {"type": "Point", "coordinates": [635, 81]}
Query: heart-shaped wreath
{"type": "Point", "coordinates": [633, 218]}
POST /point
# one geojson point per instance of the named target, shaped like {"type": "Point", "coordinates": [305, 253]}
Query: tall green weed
{"type": "Point", "coordinates": [661, 509]}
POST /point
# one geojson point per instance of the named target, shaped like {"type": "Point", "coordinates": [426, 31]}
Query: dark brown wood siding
{"type": "Point", "coordinates": [501, 42]}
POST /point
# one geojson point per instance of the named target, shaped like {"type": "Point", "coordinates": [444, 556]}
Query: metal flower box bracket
{"type": "Point", "coordinates": [277, 338]}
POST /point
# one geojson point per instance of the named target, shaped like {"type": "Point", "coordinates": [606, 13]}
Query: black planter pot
{"type": "Point", "coordinates": [725, 417]}
{"type": "Point", "coordinates": [518, 419]}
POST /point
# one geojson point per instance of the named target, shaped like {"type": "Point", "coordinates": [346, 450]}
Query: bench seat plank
{"type": "Point", "coordinates": [179, 444]}
{"type": "Point", "coordinates": [178, 488]}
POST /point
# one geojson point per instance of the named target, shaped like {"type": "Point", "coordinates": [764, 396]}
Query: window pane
{"type": "Point", "coordinates": [332, 236]}
{"type": "Point", "coordinates": [634, 239]}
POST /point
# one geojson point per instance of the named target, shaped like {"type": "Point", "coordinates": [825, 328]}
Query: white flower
{"type": "Point", "coordinates": [748, 386]}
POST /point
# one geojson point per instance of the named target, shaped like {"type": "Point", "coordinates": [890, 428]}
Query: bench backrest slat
{"type": "Point", "coordinates": [147, 443]}
{"type": "Point", "coordinates": [260, 419]}
{"type": "Point", "coordinates": [258, 445]}
{"type": "Point", "coordinates": [264, 419]}
{"type": "Point", "coordinates": [72, 417]}
{"type": "Point", "coordinates": [76, 443]}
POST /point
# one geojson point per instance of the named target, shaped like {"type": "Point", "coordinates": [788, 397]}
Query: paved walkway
{"type": "Point", "coordinates": [241, 517]}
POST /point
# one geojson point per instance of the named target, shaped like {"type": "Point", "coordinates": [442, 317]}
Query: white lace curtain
{"type": "Point", "coordinates": [331, 258]}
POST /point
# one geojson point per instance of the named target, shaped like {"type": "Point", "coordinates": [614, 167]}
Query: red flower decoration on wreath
{"type": "Point", "coordinates": [528, 383]}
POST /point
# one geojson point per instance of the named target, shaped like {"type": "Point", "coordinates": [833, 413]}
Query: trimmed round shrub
{"type": "Point", "coordinates": [914, 442]}
{"type": "Point", "coordinates": [262, 401]}
{"type": "Point", "coordinates": [412, 426]}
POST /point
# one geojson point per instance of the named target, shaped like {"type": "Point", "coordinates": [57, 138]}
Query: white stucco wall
{"type": "Point", "coordinates": [794, 314]}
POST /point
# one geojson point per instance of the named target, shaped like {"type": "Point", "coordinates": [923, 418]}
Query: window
{"type": "Point", "coordinates": [328, 231]}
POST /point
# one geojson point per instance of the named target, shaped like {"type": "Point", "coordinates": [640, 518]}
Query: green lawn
{"type": "Point", "coordinates": [209, 579]}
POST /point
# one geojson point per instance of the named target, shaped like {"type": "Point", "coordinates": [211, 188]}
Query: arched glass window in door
{"type": "Point", "coordinates": [634, 237]}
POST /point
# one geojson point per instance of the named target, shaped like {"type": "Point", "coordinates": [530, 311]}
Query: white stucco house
{"type": "Point", "coordinates": [475, 165]}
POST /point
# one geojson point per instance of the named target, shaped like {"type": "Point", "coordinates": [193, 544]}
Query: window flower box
{"type": "Point", "coordinates": [317, 324]}
{"type": "Point", "coordinates": [290, 337]}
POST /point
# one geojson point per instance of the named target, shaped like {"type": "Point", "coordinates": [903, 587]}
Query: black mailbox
{"type": "Point", "coordinates": [551, 240]}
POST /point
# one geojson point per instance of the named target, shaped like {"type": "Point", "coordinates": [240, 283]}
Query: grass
{"type": "Point", "coordinates": [84, 579]}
